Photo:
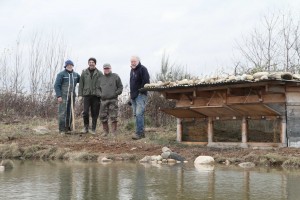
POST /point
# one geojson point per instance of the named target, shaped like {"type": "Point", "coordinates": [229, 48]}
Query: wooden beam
{"type": "Point", "coordinates": [210, 130]}
{"type": "Point", "coordinates": [217, 101]}
{"type": "Point", "coordinates": [283, 131]}
{"type": "Point", "coordinates": [293, 89]}
{"type": "Point", "coordinates": [179, 130]}
{"type": "Point", "coordinates": [194, 143]}
{"type": "Point", "coordinates": [244, 130]}
{"type": "Point", "coordinates": [275, 89]}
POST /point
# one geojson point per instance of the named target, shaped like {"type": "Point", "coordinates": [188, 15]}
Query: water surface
{"type": "Point", "coordinates": [123, 180]}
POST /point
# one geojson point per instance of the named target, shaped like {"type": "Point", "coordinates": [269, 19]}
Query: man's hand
{"type": "Point", "coordinates": [59, 100]}
{"type": "Point", "coordinates": [80, 98]}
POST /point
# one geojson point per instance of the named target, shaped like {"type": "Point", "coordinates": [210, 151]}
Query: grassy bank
{"type": "Point", "coordinates": [22, 140]}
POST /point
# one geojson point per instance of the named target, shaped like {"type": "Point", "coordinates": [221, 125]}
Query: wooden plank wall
{"type": "Point", "coordinates": [293, 114]}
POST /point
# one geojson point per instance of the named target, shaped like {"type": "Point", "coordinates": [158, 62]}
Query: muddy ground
{"type": "Point", "coordinates": [26, 140]}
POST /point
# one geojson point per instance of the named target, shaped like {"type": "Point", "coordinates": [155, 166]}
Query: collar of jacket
{"type": "Point", "coordinates": [108, 74]}
{"type": "Point", "coordinates": [89, 73]}
{"type": "Point", "coordinates": [70, 72]}
{"type": "Point", "coordinates": [138, 66]}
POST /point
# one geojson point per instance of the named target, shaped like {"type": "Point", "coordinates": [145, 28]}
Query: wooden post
{"type": "Point", "coordinates": [179, 130]}
{"type": "Point", "coordinates": [73, 111]}
{"type": "Point", "coordinates": [244, 130]}
{"type": "Point", "coordinates": [210, 130]}
{"type": "Point", "coordinates": [283, 131]}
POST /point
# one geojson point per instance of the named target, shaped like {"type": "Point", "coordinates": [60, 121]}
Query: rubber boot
{"type": "Point", "coordinates": [114, 126]}
{"type": "Point", "coordinates": [94, 123]}
{"type": "Point", "coordinates": [105, 128]}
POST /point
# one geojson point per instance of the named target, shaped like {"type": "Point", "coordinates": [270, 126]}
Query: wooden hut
{"type": "Point", "coordinates": [248, 113]}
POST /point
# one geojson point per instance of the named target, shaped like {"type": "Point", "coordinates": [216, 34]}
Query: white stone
{"type": "Point", "coordinates": [185, 161]}
{"type": "Point", "coordinates": [158, 158]}
{"type": "Point", "coordinates": [227, 162]}
{"type": "Point", "coordinates": [165, 155]}
{"type": "Point", "coordinates": [159, 162]}
{"type": "Point", "coordinates": [2, 168]}
{"type": "Point", "coordinates": [166, 149]}
{"type": "Point", "coordinates": [153, 161]}
{"type": "Point", "coordinates": [171, 161]}
{"type": "Point", "coordinates": [275, 75]}
{"type": "Point", "coordinates": [264, 77]}
{"type": "Point", "coordinates": [257, 75]}
{"type": "Point", "coordinates": [133, 148]}
{"type": "Point", "coordinates": [204, 160]}
{"type": "Point", "coordinates": [177, 161]}
{"type": "Point", "coordinates": [204, 168]}
{"type": "Point", "coordinates": [249, 77]}
{"type": "Point", "coordinates": [247, 164]}
{"type": "Point", "coordinates": [104, 159]}
{"type": "Point", "coordinates": [296, 76]}
{"type": "Point", "coordinates": [145, 159]}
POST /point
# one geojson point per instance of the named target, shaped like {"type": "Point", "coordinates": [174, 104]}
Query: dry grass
{"type": "Point", "coordinates": [81, 156]}
{"type": "Point", "coordinates": [292, 162]}
{"type": "Point", "coordinates": [21, 141]}
{"type": "Point", "coordinates": [10, 151]}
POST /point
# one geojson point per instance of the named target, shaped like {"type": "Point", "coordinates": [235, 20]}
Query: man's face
{"type": "Point", "coordinates": [69, 67]}
{"type": "Point", "coordinates": [134, 62]}
{"type": "Point", "coordinates": [92, 64]}
{"type": "Point", "coordinates": [106, 70]}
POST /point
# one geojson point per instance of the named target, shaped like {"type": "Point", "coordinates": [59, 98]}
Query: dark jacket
{"type": "Point", "coordinates": [111, 86]}
{"type": "Point", "coordinates": [65, 83]}
{"type": "Point", "coordinates": [88, 84]}
{"type": "Point", "coordinates": [138, 78]}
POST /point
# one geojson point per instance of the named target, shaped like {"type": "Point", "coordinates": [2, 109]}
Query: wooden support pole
{"type": "Point", "coordinates": [179, 130]}
{"type": "Point", "coordinates": [244, 130]}
{"type": "Point", "coordinates": [283, 131]}
{"type": "Point", "coordinates": [210, 130]}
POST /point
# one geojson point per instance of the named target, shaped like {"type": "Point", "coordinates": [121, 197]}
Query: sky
{"type": "Point", "coordinates": [200, 35]}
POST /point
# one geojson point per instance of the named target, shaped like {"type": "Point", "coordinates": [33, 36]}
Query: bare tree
{"type": "Point", "coordinates": [16, 78]}
{"type": "Point", "coordinates": [272, 47]}
{"type": "Point", "coordinates": [171, 71]}
{"type": "Point", "coordinates": [5, 73]}
{"type": "Point", "coordinates": [55, 53]}
{"type": "Point", "coordinates": [36, 65]}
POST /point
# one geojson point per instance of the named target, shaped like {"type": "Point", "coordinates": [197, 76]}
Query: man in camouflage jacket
{"type": "Point", "coordinates": [89, 89]}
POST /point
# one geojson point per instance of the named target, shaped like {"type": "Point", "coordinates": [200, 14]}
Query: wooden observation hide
{"type": "Point", "coordinates": [250, 113]}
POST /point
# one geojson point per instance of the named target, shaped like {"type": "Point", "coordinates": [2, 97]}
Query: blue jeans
{"type": "Point", "coordinates": [138, 107]}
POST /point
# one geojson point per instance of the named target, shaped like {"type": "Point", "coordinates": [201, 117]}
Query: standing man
{"type": "Point", "coordinates": [111, 87]}
{"type": "Point", "coordinates": [90, 91]}
{"type": "Point", "coordinates": [64, 87]}
{"type": "Point", "coordinates": [139, 76]}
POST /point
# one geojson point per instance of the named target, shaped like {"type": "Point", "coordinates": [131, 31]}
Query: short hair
{"type": "Point", "coordinates": [138, 58]}
{"type": "Point", "coordinates": [93, 59]}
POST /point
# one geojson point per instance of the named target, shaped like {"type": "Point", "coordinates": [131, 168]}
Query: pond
{"type": "Point", "coordinates": [124, 180]}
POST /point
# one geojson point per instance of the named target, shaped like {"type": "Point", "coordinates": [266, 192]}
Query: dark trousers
{"type": "Point", "coordinates": [93, 103]}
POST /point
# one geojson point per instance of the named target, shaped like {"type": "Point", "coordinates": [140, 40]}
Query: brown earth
{"type": "Point", "coordinates": [22, 134]}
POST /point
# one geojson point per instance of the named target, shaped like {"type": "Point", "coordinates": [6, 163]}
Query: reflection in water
{"type": "Point", "coordinates": [65, 183]}
{"type": "Point", "coordinates": [72, 180]}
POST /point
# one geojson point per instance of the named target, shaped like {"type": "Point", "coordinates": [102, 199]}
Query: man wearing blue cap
{"type": "Point", "coordinates": [64, 86]}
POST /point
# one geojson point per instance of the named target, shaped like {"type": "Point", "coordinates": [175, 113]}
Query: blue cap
{"type": "Point", "coordinates": [68, 62]}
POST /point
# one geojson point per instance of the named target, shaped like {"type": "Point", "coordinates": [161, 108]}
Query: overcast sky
{"type": "Point", "coordinates": [198, 34]}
